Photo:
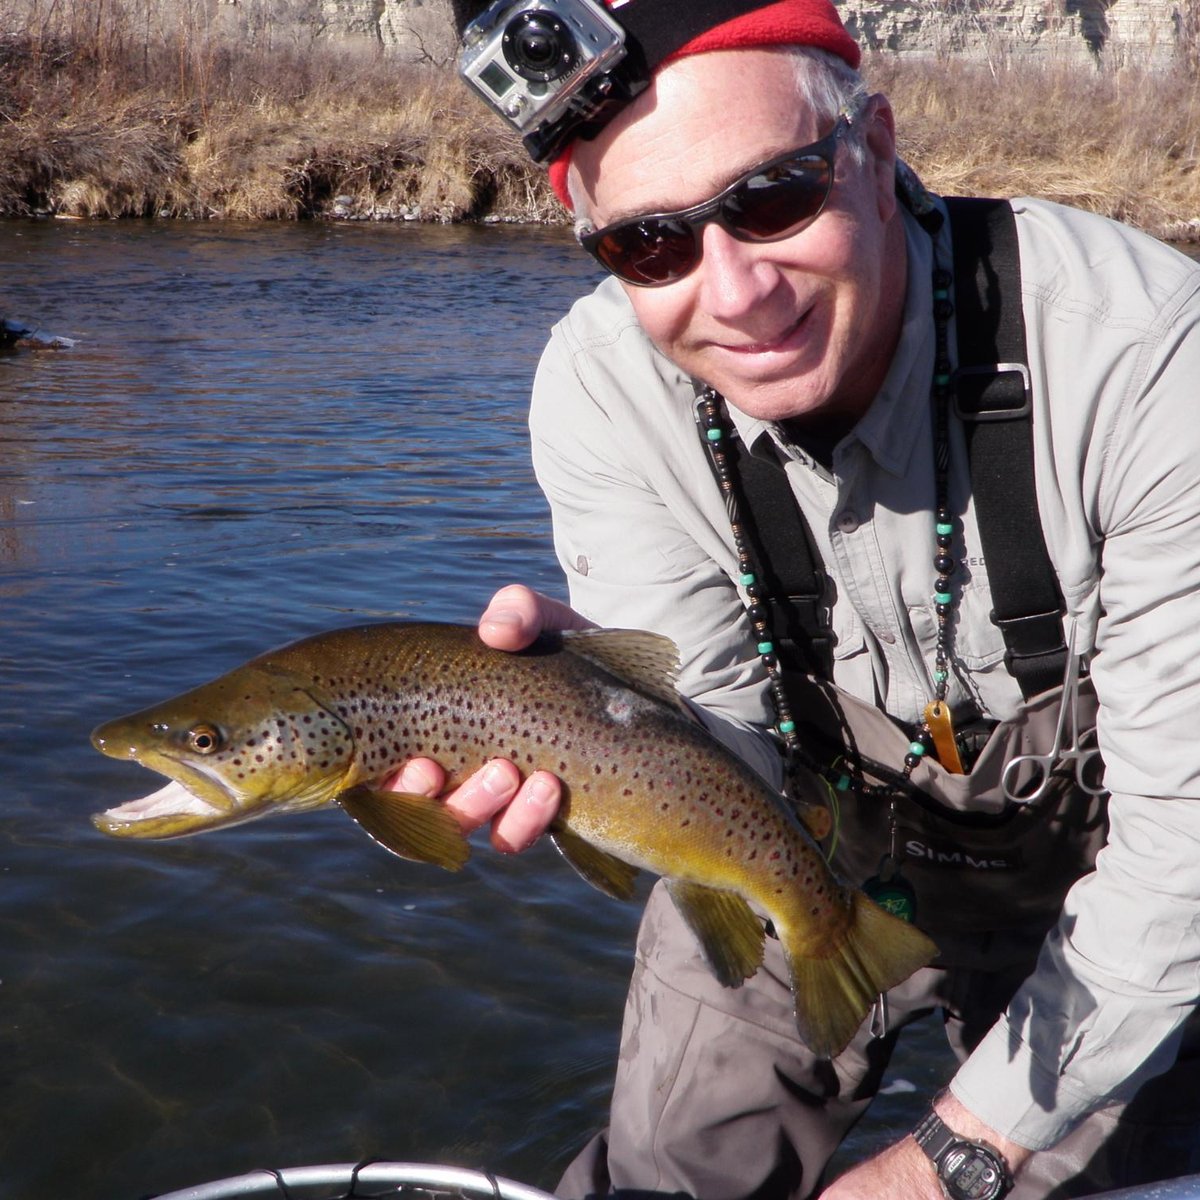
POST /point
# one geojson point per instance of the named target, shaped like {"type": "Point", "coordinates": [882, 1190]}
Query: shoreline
{"type": "Point", "coordinates": [341, 136]}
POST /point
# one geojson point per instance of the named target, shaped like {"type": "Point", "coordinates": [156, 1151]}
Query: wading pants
{"type": "Point", "coordinates": [717, 1098]}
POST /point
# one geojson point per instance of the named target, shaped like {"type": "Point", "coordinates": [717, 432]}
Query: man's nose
{"type": "Point", "coordinates": [737, 276]}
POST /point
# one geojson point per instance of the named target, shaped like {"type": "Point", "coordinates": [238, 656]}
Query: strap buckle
{"type": "Point", "coordinates": [1032, 636]}
{"type": "Point", "coordinates": [999, 391]}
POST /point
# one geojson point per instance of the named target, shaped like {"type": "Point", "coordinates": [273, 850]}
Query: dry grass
{"type": "Point", "coordinates": [1122, 143]}
{"type": "Point", "coordinates": [199, 127]}
{"type": "Point", "coordinates": [112, 118]}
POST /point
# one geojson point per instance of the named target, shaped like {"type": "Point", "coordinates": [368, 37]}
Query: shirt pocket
{"type": "Point", "coordinates": [852, 667]}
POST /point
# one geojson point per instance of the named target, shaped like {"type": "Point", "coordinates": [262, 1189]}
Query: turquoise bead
{"type": "Point", "coordinates": [942, 597]}
{"type": "Point", "coordinates": [746, 580]}
{"type": "Point", "coordinates": [787, 726]}
{"type": "Point", "coordinates": [766, 647]}
{"type": "Point", "coordinates": [916, 748]}
{"type": "Point", "coordinates": [944, 529]}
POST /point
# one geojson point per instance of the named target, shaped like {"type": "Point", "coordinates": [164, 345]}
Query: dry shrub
{"type": "Point", "coordinates": [198, 127]}
{"type": "Point", "coordinates": [110, 109]}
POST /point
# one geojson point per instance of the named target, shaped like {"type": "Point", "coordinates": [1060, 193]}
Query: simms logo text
{"type": "Point", "coordinates": [949, 855]}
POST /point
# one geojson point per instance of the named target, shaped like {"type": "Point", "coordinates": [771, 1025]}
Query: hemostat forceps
{"type": "Point", "coordinates": [1081, 750]}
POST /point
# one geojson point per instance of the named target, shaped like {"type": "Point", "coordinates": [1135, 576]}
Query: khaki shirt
{"type": "Point", "coordinates": [644, 538]}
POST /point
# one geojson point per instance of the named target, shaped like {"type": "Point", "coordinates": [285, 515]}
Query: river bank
{"type": "Point", "coordinates": [218, 131]}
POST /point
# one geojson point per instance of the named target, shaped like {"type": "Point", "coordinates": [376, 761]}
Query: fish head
{"type": "Point", "coordinates": [255, 741]}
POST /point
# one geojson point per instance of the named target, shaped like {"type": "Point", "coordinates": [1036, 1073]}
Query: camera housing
{"type": "Point", "coordinates": [544, 65]}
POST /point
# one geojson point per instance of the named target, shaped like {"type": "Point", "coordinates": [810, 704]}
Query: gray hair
{"type": "Point", "coordinates": [825, 84]}
{"type": "Point", "coordinates": [829, 87]}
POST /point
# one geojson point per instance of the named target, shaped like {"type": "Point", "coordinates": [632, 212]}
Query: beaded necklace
{"type": "Point", "coordinates": [935, 733]}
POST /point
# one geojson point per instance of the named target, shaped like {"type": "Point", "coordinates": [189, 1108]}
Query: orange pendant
{"type": "Point", "coordinates": [937, 716]}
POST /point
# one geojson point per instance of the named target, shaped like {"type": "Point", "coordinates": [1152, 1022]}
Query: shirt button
{"type": "Point", "coordinates": [848, 522]}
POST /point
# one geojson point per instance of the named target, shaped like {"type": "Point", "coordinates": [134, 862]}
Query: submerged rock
{"type": "Point", "coordinates": [16, 336]}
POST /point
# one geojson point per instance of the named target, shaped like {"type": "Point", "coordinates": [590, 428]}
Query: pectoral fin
{"type": "Point", "coordinates": [415, 827]}
{"type": "Point", "coordinates": [601, 869]}
{"type": "Point", "coordinates": [732, 936]}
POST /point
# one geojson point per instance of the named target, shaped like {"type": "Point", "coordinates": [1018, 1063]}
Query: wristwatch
{"type": "Point", "coordinates": [967, 1170]}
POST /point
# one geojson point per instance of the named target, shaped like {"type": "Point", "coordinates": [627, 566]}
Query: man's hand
{"type": "Point", "coordinates": [903, 1172]}
{"type": "Point", "coordinates": [519, 809]}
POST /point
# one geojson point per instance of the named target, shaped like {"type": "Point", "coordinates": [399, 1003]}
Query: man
{"type": "Point", "coordinates": [828, 335]}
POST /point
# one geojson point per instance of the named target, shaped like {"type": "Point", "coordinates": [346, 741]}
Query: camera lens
{"type": "Point", "coordinates": [539, 46]}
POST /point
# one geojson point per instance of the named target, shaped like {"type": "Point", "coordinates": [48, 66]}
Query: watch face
{"type": "Point", "coordinates": [971, 1173]}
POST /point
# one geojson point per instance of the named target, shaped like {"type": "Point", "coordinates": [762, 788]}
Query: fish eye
{"type": "Point", "coordinates": [204, 739]}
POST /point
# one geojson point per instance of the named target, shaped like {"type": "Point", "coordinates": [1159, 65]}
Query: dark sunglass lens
{"type": "Point", "coordinates": [648, 252]}
{"type": "Point", "coordinates": [775, 202]}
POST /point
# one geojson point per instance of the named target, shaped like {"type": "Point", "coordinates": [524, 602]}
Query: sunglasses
{"type": "Point", "coordinates": [767, 204]}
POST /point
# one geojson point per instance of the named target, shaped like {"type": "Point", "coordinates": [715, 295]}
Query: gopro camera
{"type": "Point", "coordinates": [545, 66]}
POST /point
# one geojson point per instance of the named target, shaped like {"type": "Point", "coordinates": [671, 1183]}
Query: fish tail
{"type": "Point", "coordinates": [835, 992]}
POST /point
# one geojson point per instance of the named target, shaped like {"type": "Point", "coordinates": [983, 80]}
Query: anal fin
{"type": "Point", "coordinates": [732, 936]}
{"type": "Point", "coordinates": [419, 828]}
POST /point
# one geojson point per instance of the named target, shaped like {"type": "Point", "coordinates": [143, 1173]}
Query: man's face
{"type": "Point", "coordinates": [804, 326]}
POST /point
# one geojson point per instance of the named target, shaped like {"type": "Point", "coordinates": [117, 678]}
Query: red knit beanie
{"type": "Point", "coordinates": [785, 23]}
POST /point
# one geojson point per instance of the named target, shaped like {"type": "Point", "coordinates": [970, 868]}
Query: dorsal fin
{"type": "Point", "coordinates": [646, 662]}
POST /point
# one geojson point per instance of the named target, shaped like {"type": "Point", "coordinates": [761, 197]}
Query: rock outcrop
{"type": "Point", "coordinates": [1144, 31]}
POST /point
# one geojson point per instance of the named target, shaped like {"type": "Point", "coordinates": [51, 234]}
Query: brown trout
{"type": "Point", "coordinates": [329, 718]}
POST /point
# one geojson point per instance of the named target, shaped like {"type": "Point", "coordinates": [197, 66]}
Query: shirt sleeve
{"type": "Point", "coordinates": [1120, 973]}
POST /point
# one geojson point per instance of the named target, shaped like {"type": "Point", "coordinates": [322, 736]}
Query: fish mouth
{"type": "Point", "coordinates": [172, 811]}
{"type": "Point", "coordinates": [203, 803]}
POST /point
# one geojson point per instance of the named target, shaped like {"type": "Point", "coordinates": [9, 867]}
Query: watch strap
{"type": "Point", "coordinates": [934, 1136]}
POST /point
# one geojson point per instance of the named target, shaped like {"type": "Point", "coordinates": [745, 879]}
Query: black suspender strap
{"type": "Point", "coordinates": [788, 561]}
{"type": "Point", "coordinates": [796, 590]}
{"type": "Point", "coordinates": [992, 398]}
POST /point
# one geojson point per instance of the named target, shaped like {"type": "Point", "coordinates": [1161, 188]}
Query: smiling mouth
{"type": "Point", "coordinates": [783, 342]}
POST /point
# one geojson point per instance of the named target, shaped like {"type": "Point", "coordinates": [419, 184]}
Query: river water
{"type": "Point", "coordinates": [266, 431]}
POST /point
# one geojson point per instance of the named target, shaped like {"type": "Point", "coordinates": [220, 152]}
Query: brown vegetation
{"type": "Point", "coordinates": [107, 117]}
{"type": "Point", "coordinates": [110, 110]}
{"type": "Point", "coordinates": [1125, 143]}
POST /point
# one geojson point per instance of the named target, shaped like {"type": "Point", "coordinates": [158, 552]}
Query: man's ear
{"type": "Point", "coordinates": [880, 140]}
